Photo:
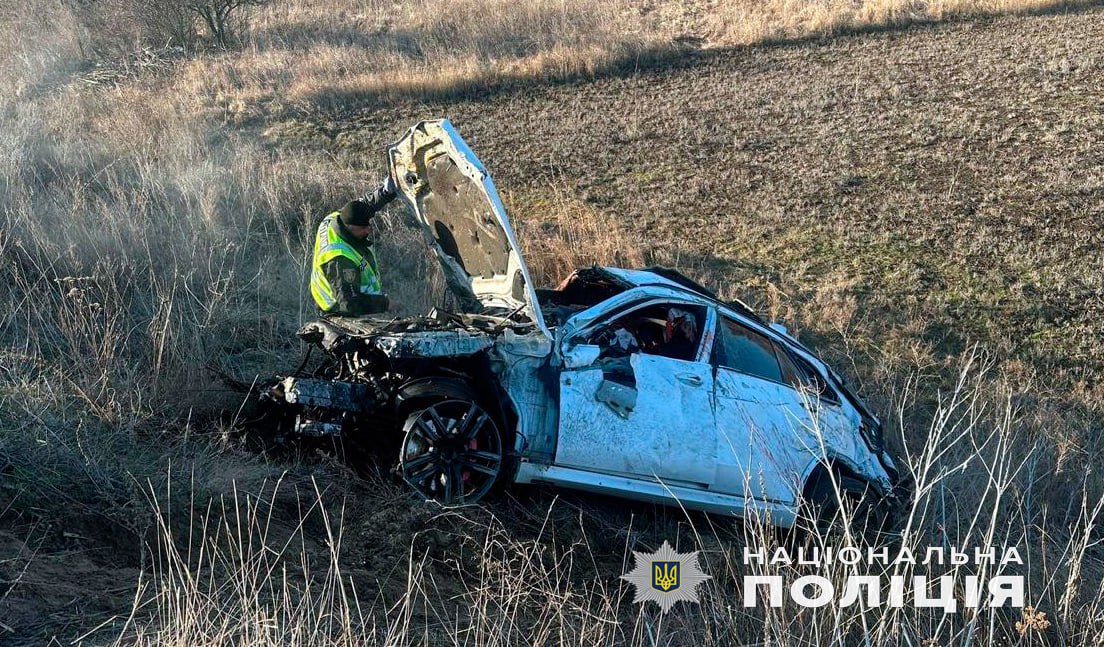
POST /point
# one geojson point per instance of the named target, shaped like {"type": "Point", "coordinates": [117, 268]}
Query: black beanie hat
{"type": "Point", "coordinates": [356, 213]}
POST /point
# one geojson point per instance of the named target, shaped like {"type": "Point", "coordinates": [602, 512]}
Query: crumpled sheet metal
{"type": "Point", "coordinates": [434, 343]}
{"type": "Point", "coordinates": [332, 394]}
{"type": "Point", "coordinates": [521, 361]}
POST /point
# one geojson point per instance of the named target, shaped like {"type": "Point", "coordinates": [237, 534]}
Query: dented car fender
{"type": "Point", "coordinates": [430, 387]}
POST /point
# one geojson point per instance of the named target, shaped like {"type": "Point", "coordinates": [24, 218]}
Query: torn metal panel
{"type": "Point", "coordinates": [522, 364]}
{"type": "Point", "coordinates": [436, 343]}
{"type": "Point", "coordinates": [332, 394]}
{"type": "Point", "coordinates": [531, 345]}
{"type": "Point", "coordinates": [834, 429]}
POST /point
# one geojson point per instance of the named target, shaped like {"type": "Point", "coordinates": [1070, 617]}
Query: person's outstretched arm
{"type": "Point", "coordinates": [378, 198]}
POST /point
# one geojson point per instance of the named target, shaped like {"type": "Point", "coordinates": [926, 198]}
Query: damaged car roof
{"type": "Point", "coordinates": [668, 277]}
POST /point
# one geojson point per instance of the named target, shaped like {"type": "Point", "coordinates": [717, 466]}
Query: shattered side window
{"type": "Point", "coordinates": [742, 349]}
{"type": "Point", "coordinates": [669, 330]}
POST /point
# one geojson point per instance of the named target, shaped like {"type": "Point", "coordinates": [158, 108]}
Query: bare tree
{"type": "Point", "coordinates": [218, 16]}
{"type": "Point", "coordinates": [114, 26]}
{"type": "Point", "coordinates": [167, 21]}
{"type": "Point", "coordinates": [118, 26]}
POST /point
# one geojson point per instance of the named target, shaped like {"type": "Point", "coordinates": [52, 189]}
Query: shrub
{"type": "Point", "coordinates": [113, 26]}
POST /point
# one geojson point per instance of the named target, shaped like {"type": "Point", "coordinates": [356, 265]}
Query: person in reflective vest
{"type": "Point", "coordinates": [345, 277]}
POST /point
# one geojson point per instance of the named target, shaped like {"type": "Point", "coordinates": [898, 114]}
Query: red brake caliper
{"type": "Point", "coordinates": [465, 475]}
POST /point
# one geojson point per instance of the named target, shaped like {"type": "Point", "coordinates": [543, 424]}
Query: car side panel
{"type": "Point", "coordinates": [763, 436]}
{"type": "Point", "coordinates": [837, 428]}
{"type": "Point", "coordinates": [669, 434]}
{"type": "Point", "coordinates": [685, 497]}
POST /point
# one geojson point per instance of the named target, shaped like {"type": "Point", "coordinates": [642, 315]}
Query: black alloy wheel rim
{"type": "Point", "coordinates": [452, 452]}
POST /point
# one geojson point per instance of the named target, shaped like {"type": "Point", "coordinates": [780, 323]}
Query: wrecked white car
{"type": "Point", "coordinates": [634, 383]}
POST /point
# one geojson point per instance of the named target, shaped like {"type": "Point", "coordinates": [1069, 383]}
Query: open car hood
{"type": "Point", "coordinates": [452, 196]}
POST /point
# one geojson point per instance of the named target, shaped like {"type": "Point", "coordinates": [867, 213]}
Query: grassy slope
{"type": "Point", "coordinates": [894, 197]}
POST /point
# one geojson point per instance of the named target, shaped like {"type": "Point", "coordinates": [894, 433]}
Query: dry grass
{"type": "Point", "coordinates": [148, 230]}
{"type": "Point", "coordinates": [302, 55]}
{"type": "Point", "coordinates": [751, 21]}
{"type": "Point", "coordinates": [547, 573]}
{"type": "Point", "coordinates": [560, 233]}
{"type": "Point", "coordinates": [306, 56]}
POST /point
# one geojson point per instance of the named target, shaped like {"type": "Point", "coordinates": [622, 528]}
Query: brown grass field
{"type": "Point", "coordinates": [915, 188]}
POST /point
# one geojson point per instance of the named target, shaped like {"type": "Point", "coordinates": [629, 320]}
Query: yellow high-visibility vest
{"type": "Point", "coordinates": [328, 245]}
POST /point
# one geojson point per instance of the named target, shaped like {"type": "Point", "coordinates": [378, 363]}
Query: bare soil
{"type": "Point", "coordinates": [941, 184]}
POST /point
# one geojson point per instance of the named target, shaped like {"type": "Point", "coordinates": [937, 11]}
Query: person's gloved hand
{"type": "Point", "coordinates": [374, 303]}
{"type": "Point", "coordinates": [388, 186]}
{"type": "Point", "coordinates": [381, 195]}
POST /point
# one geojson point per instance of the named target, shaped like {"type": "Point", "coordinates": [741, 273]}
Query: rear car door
{"type": "Point", "coordinates": [835, 423]}
{"type": "Point", "coordinates": [764, 428]}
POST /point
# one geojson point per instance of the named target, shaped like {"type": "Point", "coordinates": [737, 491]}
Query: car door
{"type": "Point", "coordinates": [642, 415]}
{"type": "Point", "coordinates": [835, 423]}
{"type": "Point", "coordinates": [764, 428]}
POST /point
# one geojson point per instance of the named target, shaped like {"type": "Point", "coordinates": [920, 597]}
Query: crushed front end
{"type": "Point", "coordinates": [444, 399]}
{"type": "Point", "coordinates": [358, 386]}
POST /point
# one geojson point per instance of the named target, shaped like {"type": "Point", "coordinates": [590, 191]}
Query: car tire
{"type": "Point", "coordinates": [452, 451]}
{"type": "Point", "coordinates": [835, 501]}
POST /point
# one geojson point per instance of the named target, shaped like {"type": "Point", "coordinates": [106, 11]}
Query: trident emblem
{"type": "Point", "coordinates": [665, 576]}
